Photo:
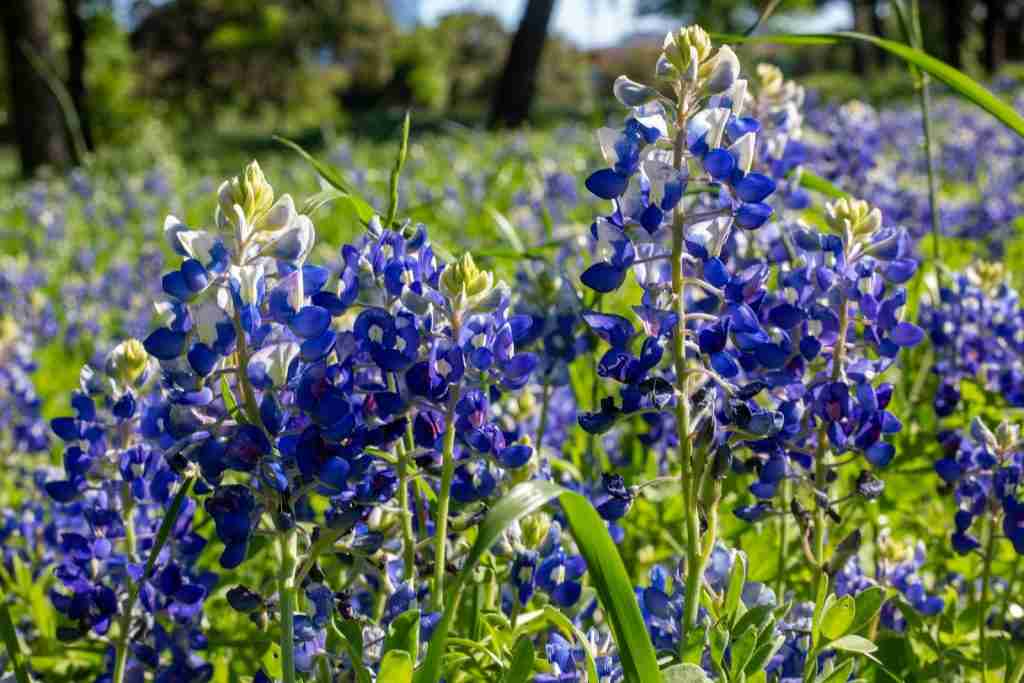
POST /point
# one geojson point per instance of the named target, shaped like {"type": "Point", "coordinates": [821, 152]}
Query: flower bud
{"type": "Point", "coordinates": [465, 285]}
{"type": "Point", "coordinates": [251, 192]}
{"type": "Point", "coordinates": [127, 361]}
{"type": "Point", "coordinates": [535, 529]}
{"type": "Point", "coordinates": [1007, 434]}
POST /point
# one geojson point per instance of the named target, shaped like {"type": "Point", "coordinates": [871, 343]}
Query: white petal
{"type": "Point", "coordinates": [726, 71]}
{"type": "Point", "coordinates": [743, 149]}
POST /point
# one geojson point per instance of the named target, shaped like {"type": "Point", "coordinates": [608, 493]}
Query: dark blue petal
{"type": "Point", "coordinates": [607, 184]}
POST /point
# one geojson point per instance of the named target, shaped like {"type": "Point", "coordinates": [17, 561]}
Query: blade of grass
{"type": "Point", "coordinates": [334, 178]}
{"type": "Point", "coordinates": [10, 637]}
{"type": "Point", "coordinates": [958, 81]}
{"type": "Point", "coordinates": [604, 565]}
{"type": "Point", "coordinates": [396, 172]}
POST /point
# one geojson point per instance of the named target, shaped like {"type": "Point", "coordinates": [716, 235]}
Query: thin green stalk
{"type": "Point", "coordinates": [688, 478]}
{"type": "Point", "coordinates": [443, 499]}
{"type": "Point", "coordinates": [821, 485]}
{"type": "Point", "coordinates": [1018, 671]}
{"type": "Point", "coordinates": [404, 450]}
{"type": "Point", "coordinates": [10, 637]}
{"type": "Point", "coordinates": [288, 546]}
{"type": "Point", "coordinates": [933, 204]}
{"type": "Point", "coordinates": [408, 534]}
{"type": "Point", "coordinates": [986, 579]}
{"type": "Point", "coordinates": [780, 579]}
{"type": "Point", "coordinates": [542, 426]}
{"type": "Point", "coordinates": [125, 623]}
{"type": "Point", "coordinates": [396, 173]}
{"type": "Point", "coordinates": [162, 534]}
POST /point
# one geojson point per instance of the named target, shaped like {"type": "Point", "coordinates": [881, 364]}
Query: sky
{"type": "Point", "coordinates": [599, 23]}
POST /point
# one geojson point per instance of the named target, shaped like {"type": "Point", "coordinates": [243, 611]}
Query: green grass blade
{"type": "Point", "coordinates": [333, 177]}
{"type": "Point", "coordinates": [10, 637]}
{"type": "Point", "coordinates": [522, 662]}
{"type": "Point", "coordinates": [957, 80]}
{"type": "Point", "coordinates": [608, 574]}
{"type": "Point", "coordinates": [519, 502]}
{"type": "Point", "coordinates": [396, 172]}
{"type": "Point", "coordinates": [811, 181]}
{"type": "Point", "coordinates": [165, 526]}
{"type": "Point", "coordinates": [604, 567]}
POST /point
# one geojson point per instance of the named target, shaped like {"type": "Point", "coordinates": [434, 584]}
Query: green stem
{"type": "Point", "coordinates": [933, 204]}
{"type": "Point", "coordinates": [542, 426]}
{"type": "Point", "coordinates": [288, 546]}
{"type": "Point", "coordinates": [688, 478]}
{"type": "Point", "coordinates": [125, 622]}
{"type": "Point", "coordinates": [408, 534]}
{"type": "Point", "coordinates": [443, 499]}
{"type": "Point", "coordinates": [10, 637]}
{"type": "Point", "coordinates": [1018, 671]}
{"type": "Point", "coordinates": [780, 579]}
{"type": "Point", "coordinates": [821, 486]}
{"type": "Point", "coordinates": [986, 579]}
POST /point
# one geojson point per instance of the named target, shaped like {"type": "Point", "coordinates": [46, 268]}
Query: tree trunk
{"type": "Point", "coordinates": [995, 35]}
{"type": "Point", "coordinates": [76, 66]}
{"type": "Point", "coordinates": [878, 28]}
{"type": "Point", "coordinates": [1015, 35]}
{"type": "Point", "coordinates": [955, 30]}
{"type": "Point", "coordinates": [38, 123]}
{"type": "Point", "coordinates": [511, 104]}
{"type": "Point", "coordinates": [863, 61]}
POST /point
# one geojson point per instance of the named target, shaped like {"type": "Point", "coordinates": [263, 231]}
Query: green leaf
{"type": "Point", "coordinates": [396, 667]}
{"type": "Point", "coordinates": [230, 402]}
{"type": "Point", "coordinates": [334, 178]}
{"type": "Point", "coordinates": [958, 81]}
{"type": "Point", "coordinates": [396, 172]}
{"type": "Point", "coordinates": [684, 673]}
{"type": "Point", "coordinates": [272, 661]}
{"type": "Point", "coordinates": [605, 571]}
{"type": "Point", "coordinates": [868, 604]}
{"type": "Point", "coordinates": [762, 654]}
{"type": "Point", "coordinates": [165, 525]}
{"type": "Point", "coordinates": [571, 630]}
{"type": "Point", "coordinates": [735, 591]}
{"type": "Point", "coordinates": [853, 643]}
{"type": "Point", "coordinates": [506, 229]}
{"type": "Point", "coordinates": [743, 648]}
{"type": "Point", "coordinates": [840, 674]}
{"type": "Point", "coordinates": [516, 504]}
{"type": "Point", "coordinates": [718, 639]}
{"type": "Point", "coordinates": [404, 633]}
{"type": "Point", "coordinates": [521, 668]}
{"type": "Point", "coordinates": [810, 181]}
{"type": "Point", "coordinates": [351, 635]}
{"type": "Point", "coordinates": [10, 637]}
{"type": "Point", "coordinates": [838, 618]}
{"type": "Point", "coordinates": [756, 617]}
{"type": "Point", "coordinates": [609, 577]}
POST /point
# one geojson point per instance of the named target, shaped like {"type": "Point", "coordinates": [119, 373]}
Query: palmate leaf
{"type": "Point", "coordinates": [957, 80]}
{"type": "Point", "coordinates": [604, 565]}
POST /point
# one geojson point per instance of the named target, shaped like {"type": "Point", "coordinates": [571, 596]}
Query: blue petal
{"type": "Point", "coordinates": [607, 184]}
{"type": "Point", "coordinates": [719, 163]}
{"type": "Point", "coordinates": [165, 344]}
{"type": "Point", "coordinates": [754, 187]}
{"type": "Point", "coordinates": [603, 277]}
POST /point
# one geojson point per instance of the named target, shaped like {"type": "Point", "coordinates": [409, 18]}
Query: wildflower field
{"type": "Point", "coordinates": [726, 390]}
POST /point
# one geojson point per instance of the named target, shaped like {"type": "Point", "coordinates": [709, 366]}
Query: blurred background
{"type": "Point", "coordinates": [210, 78]}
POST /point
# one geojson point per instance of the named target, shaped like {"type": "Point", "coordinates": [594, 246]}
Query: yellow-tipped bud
{"type": "Point", "coordinates": [127, 361]}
